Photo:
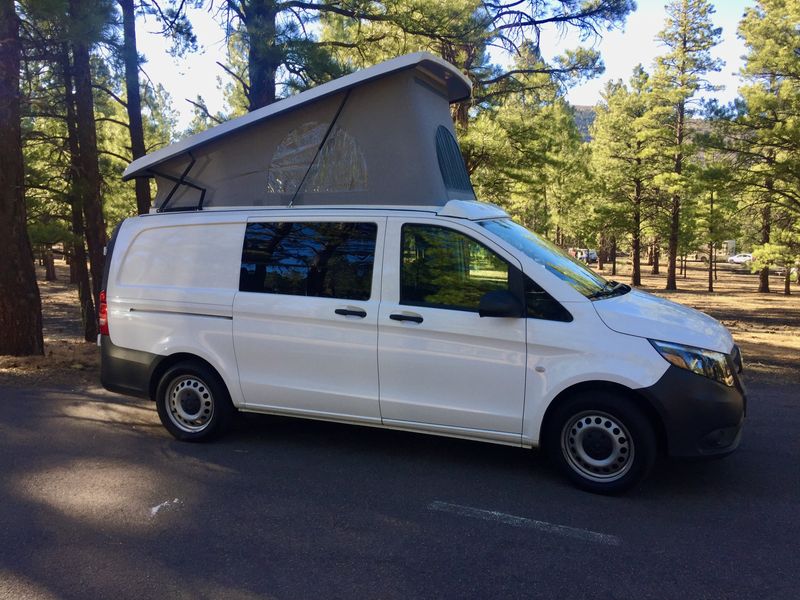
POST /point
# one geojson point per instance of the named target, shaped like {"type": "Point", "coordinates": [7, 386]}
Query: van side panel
{"type": "Point", "coordinates": [561, 355]}
{"type": "Point", "coordinates": [171, 290]}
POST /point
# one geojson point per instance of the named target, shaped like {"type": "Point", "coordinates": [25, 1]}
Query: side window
{"type": "Point", "coordinates": [541, 305]}
{"type": "Point", "coordinates": [443, 268]}
{"type": "Point", "coordinates": [325, 260]}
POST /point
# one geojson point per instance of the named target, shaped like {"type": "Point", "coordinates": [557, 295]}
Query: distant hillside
{"type": "Point", "coordinates": [584, 117]}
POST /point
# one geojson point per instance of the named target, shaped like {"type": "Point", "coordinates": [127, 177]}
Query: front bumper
{"type": "Point", "coordinates": [701, 417]}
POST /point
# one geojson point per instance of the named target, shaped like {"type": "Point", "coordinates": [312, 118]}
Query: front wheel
{"type": "Point", "coordinates": [602, 442]}
{"type": "Point", "coordinates": [193, 402]}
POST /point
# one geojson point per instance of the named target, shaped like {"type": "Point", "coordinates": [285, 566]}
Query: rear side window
{"type": "Point", "coordinates": [443, 268]}
{"type": "Point", "coordinates": [324, 260]}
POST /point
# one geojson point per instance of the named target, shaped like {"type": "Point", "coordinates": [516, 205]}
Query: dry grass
{"type": "Point", "coordinates": [766, 326]}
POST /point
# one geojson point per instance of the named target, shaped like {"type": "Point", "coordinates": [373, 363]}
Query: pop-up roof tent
{"type": "Point", "coordinates": [380, 136]}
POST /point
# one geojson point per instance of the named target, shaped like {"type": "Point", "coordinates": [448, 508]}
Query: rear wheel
{"type": "Point", "coordinates": [602, 442]}
{"type": "Point", "coordinates": [193, 402]}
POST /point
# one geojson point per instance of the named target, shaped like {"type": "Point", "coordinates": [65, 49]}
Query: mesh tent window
{"type": "Point", "coordinates": [451, 163]}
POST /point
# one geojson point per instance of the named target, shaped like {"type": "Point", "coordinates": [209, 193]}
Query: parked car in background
{"type": "Point", "coordinates": [793, 272]}
{"type": "Point", "coordinates": [740, 259]}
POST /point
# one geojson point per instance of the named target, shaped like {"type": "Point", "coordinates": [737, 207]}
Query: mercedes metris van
{"type": "Point", "coordinates": [452, 320]}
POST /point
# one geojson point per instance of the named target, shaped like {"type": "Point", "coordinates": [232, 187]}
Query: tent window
{"type": "Point", "coordinates": [451, 163]}
{"type": "Point", "coordinates": [339, 167]}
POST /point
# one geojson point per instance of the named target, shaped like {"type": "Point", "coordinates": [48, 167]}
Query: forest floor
{"type": "Point", "coordinates": [766, 326]}
{"type": "Point", "coordinates": [68, 360]}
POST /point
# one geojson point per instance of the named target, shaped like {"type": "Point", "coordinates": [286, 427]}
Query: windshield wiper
{"type": "Point", "coordinates": [611, 288]}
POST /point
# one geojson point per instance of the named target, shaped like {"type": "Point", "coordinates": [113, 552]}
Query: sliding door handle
{"type": "Point", "coordinates": [349, 312]}
{"type": "Point", "coordinates": [401, 317]}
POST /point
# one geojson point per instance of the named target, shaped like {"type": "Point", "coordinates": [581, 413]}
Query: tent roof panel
{"type": "Point", "coordinates": [457, 85]}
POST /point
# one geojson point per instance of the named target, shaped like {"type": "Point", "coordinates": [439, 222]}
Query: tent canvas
{"type": "Point", "coordinates": [381, 136]}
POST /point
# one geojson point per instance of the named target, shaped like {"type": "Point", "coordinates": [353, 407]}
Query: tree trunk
{"type": "Point", "coordinates": [672, 249]}
{"type": "Point", "coordinates": [78, 266]}
{"type": "Point", "coordinates": [461, 116]}
{"type": "Point", "coordinates": [711, 241]}
{"type": "Point", "coordinates": [787, 282]}
{"type": "Point", "coordinates": [636, 276]}
{"type": "Point", "coordinates": [715, 264]}
{"type": "Point", "coordinates": [711, 266]}
{"type": "Point", "coordinates": [675, 213]}
{"type": "Point", "coordinates": [656, 257]}
{"type": "Point", "coordinates": [73, 276]}
{"type": "Point", "coordinates": [88, 177]}
{"type": "Point", "coordinates": [263, 52]}
{"type": "Point", "coordinates": [20, 303]}
{"type": "Point", "coordinates": [134, 101]}
{"type": "Point", "coordinates": [766, 225]}
{"type": "Point", "coordinates": [614, 255]}
{"type": "Point", "coordinates": [49, 263]}
{"type": "Point", "coordinates": [602, 255]}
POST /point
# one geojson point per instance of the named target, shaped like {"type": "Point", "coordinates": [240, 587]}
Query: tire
{"type": "Point", "coordinates": [193, 402]}
{"type": "Point", "coordinates": [601, 441]}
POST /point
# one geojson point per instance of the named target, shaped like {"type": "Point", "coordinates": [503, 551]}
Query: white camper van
{"type": "Point", "coordinates": [445, 318]}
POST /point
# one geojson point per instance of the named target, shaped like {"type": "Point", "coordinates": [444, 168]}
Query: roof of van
{"type": "Point", "coordinates": [472, 210]}
{"type": "Point", "coordinates": [457, 87]}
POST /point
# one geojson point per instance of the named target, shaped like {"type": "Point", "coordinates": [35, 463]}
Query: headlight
{"type": "Point", "coordinates": [713, 365]}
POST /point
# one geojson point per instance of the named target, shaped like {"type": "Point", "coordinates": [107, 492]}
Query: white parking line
{"type": "Point", "coordinates": [498, 517]}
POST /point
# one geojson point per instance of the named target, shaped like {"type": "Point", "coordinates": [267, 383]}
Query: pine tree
{"type": "Point", "coordinates": [760, 132]}
{"type": "Point", "coordinates": [20, 303]}
{"type": "Point", "coordinates": [689, 35]}
{"type": "Point", "coordinates": [626, 160]}
{"type": "Point", "coordinates": [281, 46]}
{"type": "Point", "coordinates": [133, 101]}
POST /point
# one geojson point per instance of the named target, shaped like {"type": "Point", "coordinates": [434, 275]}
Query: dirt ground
{"type": "Point", "coordinates": [68, 361]}
{"type": "Point", "coordinates": [766, 326]}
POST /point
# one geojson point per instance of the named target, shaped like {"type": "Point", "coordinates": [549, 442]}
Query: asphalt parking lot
{"type": "Point", "coordinates": [98, 501]}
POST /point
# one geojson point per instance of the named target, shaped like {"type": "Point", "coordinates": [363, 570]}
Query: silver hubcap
{"type": "Point", "coordinates": [189, 403]}
{"type": "Point", "coordinates": [597, 446]}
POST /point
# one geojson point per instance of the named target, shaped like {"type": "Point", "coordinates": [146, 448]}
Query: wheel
{"type": "Point", "coordinates": [193, 402]}
{"type": "Point", "coordinates": [601, 441]}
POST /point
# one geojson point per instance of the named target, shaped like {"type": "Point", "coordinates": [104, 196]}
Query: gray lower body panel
{"type": "Point", "coordinates": [126, 371]}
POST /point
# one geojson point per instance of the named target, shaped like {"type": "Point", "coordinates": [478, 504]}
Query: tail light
{"type": "Point", "coordinates": [102, 314]}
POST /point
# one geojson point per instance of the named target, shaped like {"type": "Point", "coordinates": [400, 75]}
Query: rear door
{"type": "Point", "coordinates": [305, 316]}
{"type": "Point", "coordinates": [442, 366]}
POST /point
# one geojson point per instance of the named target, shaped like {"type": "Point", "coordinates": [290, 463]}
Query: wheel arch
{"type": "Point", "coordinates": [167, 362]}
{"type": "Point", "coordinates": [638, 399]}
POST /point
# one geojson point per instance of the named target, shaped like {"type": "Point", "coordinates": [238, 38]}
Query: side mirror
{"type": "Point", "coordinates": [500, 303]}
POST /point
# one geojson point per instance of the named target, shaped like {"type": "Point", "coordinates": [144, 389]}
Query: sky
{"type": "Point", "coordinates": [621, 50]}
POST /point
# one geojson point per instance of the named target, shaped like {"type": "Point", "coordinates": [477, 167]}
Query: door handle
{"type": "Point", "coordinates": [348, 312]}
{"type": "Point", "coordinates": [401, 317]}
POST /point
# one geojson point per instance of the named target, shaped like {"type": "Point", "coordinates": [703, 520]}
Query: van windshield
{"type": "Point", "coordinates": [555, 260]}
